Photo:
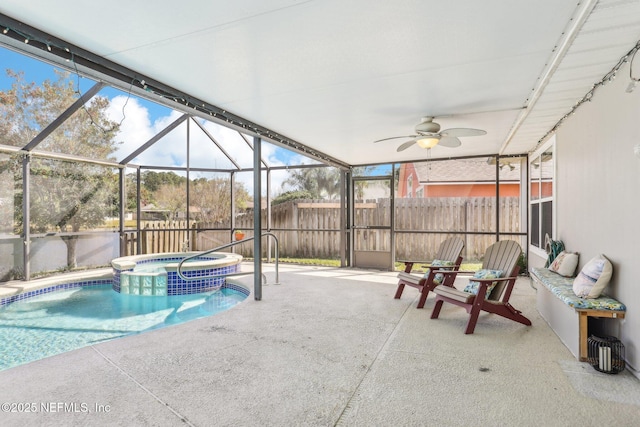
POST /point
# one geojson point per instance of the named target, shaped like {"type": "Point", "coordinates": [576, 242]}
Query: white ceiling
{"type": "Point", "coordinates": [337, 75]}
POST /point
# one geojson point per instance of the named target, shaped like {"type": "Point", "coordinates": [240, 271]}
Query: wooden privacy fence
{"type": "Point", "coordinates": [453, 216]}
{"type": "Point", "coordinates": [318, 223]}
{"type": "Point", "coordinates": [311, 228]}
{"type": "Point", "coordinates": [161, 236]}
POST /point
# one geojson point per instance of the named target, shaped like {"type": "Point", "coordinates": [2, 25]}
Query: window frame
{"type": "Point", "coordinates": [548, 146]}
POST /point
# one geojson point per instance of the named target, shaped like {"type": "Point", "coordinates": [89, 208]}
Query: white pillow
{"type": "Point", "coordinates": [593, 278]}
{"type": "Point", "coordinates": [565, 264]}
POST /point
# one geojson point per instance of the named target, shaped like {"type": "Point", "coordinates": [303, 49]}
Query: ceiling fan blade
{"type": "Point", "coordinates": [395, 137]}
{"type": "Point", "coordinates": [449, 141]}
{"type": "Point", "coordinates": [406, 145]}
{"type": "Point", "coordinates": [456, 132]}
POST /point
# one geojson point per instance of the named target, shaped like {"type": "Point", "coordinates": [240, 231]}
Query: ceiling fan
{"type": "Point", "coordinates": [428, 135]}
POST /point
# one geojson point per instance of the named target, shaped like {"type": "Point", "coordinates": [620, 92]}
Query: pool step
{"type": "Point", "coordinates": [143, 283]}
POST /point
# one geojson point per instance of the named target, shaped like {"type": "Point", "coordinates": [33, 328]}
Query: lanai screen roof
{"type": "Point", "coordinates": [332, 76]}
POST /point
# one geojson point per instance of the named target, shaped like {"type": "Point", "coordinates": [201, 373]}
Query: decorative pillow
{"type": "Point", "coordinates": [473, 286]}
{"type": "Point", "coordinates": [442, 265]}
{"type": "Point", "coordinates": [593, 278]}
{"type": "Point", "coordinates": [565, 264]}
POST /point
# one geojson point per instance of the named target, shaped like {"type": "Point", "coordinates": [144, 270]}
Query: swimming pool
{"type": "Point", "coordinates": [64, 320]}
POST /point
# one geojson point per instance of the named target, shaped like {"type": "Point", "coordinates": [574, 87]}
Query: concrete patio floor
{"type": "Point", "coordinates": [327, 347]}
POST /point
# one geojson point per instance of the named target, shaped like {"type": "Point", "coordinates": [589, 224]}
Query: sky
{"type": "Point", "coordinates": [141, 119]}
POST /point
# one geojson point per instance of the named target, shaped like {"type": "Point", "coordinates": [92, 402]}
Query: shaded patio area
{"type": "Point", "coordinates": [350, 92]}
{"type": "Point", "coordinates": [329, 347]}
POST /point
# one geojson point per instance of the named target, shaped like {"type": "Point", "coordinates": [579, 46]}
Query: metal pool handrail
{"type": "Point", "coordinates": [228, 245]}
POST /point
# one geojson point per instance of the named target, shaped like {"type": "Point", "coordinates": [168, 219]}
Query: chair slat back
{"type": "Point", "coordinates": [450, 249]}
{"type": "Point", "coordinates": [503, 256]}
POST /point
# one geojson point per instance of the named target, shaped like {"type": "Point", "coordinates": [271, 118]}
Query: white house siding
{"type": "Point", "coordinates": [598, 196]}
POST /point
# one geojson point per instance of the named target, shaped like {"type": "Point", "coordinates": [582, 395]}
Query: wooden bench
{"type": "Point", "coordinates": [559, 306]}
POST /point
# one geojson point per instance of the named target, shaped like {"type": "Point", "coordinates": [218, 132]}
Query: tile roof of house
{"type": "Point", "coordinates": [467, 170]}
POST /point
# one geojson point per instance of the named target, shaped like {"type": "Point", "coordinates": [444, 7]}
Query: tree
{"type": "Point", "coordinates": [323, 182]}
{"type": "Point", "coordinates": [65, 196]}
{"type": "Point", "coordinates": [131, 189]}
{"type": "Point", "coordinates": [292, 195]}
{"type": "Point", "coordinates": [212, 199]}
{"type": "Point", "coordinates": [172, 198]}
{"type": "Point", "coordinates": [320, 182]}
{"type": "Point", "coordinates": [154, 180]}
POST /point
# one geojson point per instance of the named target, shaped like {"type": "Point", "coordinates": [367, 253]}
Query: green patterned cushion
{"type": "Point", "coordinates": [562, 288]}
{"type": "Point", "coordinates": [441, 265]}
{"type": "Point", "coordinates": [473, 286]}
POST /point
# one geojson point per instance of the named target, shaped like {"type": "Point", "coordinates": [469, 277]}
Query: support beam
{"type": "Point", "coordinates": [349, 214]}
{"type": "Point", "coordinates": [138, 211]}
{"type": "Point", "coordinates": [497, 198]}
{"type": "Point", "coordinates": [392, 214]}
{"type": "Point", "coordinates": [123, 201]}
{"type": "Point", "coordinates": [251, 146]}
{"type": "Point", "coordinates": [257, 221]}
{"type": "Point", "coordinates": [206, 132]}
{"type": "Point", "coordinates": [232, 220]}
{"type": "Point", "coordinates": [268, 214]}
{"type": "Point", "coordinates": [344, 234]}
{"type": "Point", "coordinates": [189, 244]}
{"type": "Point", "coordinates": [26, 216]}
{"type": "Point", "coordinates": [63, 117]}
{"type": "Point", "coordinates": [155, 139]}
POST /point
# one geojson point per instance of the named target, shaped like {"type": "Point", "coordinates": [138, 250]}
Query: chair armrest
{"type": "Point", "coordinates": [446, 270]}
{"type": "Point", "coordinates": [408, 264]}
{"type": "Point", "coordinates": [503, 295]}
{"type": "Point", "coordinates": [498, 279]}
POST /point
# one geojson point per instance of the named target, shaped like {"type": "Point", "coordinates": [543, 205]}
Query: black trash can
{"type": "Point", "coordinates": [606, 354]}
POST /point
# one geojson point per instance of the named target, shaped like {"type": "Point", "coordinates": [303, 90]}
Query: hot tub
{"type": "Point", "coordinates": [157, 274]}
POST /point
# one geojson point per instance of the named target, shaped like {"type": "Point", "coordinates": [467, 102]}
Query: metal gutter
{"type": "Point", "coordinates": [584, 9]}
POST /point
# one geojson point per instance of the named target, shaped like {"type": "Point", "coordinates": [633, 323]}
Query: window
{"type": "Point", "coordinates": [542, 195]}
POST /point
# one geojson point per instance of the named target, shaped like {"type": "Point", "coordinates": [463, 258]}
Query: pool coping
{"type": "Point", "coordinates": [16, 290]}
{"type": "Point", "coordinates": [129, 262]}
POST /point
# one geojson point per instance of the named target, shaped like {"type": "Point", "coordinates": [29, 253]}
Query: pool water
{"type": "Point", "coordinates": [61, 321]}
{"type": "Point", "coordinates": [158, 266]}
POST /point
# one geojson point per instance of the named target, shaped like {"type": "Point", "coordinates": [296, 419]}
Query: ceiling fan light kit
{"type": "Point", "coordinates": [428, 142]}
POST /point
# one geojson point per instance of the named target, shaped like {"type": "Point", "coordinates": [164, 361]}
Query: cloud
{"type": "Point", "coordinates": [135, 128]}
{"type": "Point", "coordinates": [138, 127]}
